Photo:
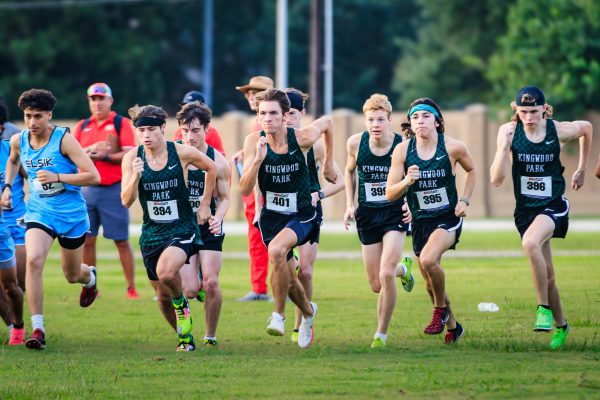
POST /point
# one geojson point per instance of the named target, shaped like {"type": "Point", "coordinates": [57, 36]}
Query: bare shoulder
{"type": "Point", "coordinates": [353, 142]}
{"type": "Point", "coordinates": [223, 167]}
{"type": "Point", "coordinates": [454, 146]}
{"type": "Point", "coordinates": [569, 129]}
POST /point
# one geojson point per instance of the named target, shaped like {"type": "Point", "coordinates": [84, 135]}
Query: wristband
{"type": "Point", "coordinates": [7, 185]}
{"type": "Point", "coordinates": [321, 195]}
{"type": "Point", "coordinates": [106, 158]}
{"type": "Point", "coordinates": [464, 200]}
{"type": "Point", "coordinates": [58, 178]}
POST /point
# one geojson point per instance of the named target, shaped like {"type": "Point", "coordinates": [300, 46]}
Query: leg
{"type": "Point", "coordinates": [8, 277]}
{"type": "Point", "coordinates": [307, 257]}
{"type": "Point", "coordinates": [89, 250]}
{"type": "Point", "coordinates": [372, 261]}
{"type": "Point", "coordinates": [20, 255]}
{"type": "Point", "coordinates": [211, 266]}
{"type": "Point", "coordinates": [127, 261]}
{"type": "Point", "coordinates": [5, 310]}
{"type": "Point", "coordinates": [259, 258]}
{"type": "Point", "coordinates": [163, 298]}
{"type": "Point", "coordinates": [539, 232]}
{"type": "Point", "coordinates": [189, 278]}
{"type": "Point", "coordinates": [169, 263]}
{"type": "Point", "coordinates": [38, 245]}
{"type": "Point", "coordinates": [73, 269]}
{"type": "Point", "coordinates": [393, 243]}
{"type": "Point", "coordinates": [553, 295]}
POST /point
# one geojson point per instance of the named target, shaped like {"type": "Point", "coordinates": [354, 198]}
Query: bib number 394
{"type": "Point", "coordinates": [163, 211]}
{"type": "Point", "coordinates": [536, 186]}
{"type": "Point", "coordinates": [48, 189]}
{"type": "Point", "coordinates": [282, 202]}
{"type": "Point", "coordinates": [375, 191]}
{"type": "Point", "coordinates": [433, 199]}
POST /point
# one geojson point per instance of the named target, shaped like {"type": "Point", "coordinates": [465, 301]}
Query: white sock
{"type": "Point", "coordinates": [381, 336]}
{"type": "Point", "coordinates": [92, 281]}
{"type": "Point", "coordinates": [37, 322]}
{"type": "Point", "coordinates": [404, 270]}
{"type": "Point", "coordinates": [210, 338]}
{"type": "Point", "coordinates": [10, 328]}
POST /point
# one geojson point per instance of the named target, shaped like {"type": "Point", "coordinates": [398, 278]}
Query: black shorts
{"type": "Point", "coordinates": [422, 230]}
{"type": "Point", "coordinates": [373, 223]}
{"type": "Point", "coordinates": [209, 240]}
{"type": "Point", "coordinates": [304, 224]}
{"type": "Point", "coordinates": [69, 243]}
{"type": "Point", "coordinates": [558, 210]}
{"type": "Point", "coordinates": [316, 236]}
{"type": "Point", "coordinates": [151, 254]}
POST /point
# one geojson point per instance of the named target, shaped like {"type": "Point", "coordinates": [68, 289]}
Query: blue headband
{"type": "Point", "coordinates": [423, 107]}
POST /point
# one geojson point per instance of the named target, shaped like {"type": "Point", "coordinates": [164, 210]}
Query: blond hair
{"type": "Point", "coordinates": [378, 102]}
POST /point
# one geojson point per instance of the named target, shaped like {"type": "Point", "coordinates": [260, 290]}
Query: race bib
{"type": "Point", "coordinates": [163, 211]}
{"type": "Point", "coordinates": [433, 199]}
{"type": "Point", "coordinates": [375, 192]}
{"type": "Point", "coordinates": [536, 186]}
{"type": "Point", "coordinates": [195, 202]}
{"type": "Point", "coordinates": [282, 202]}
{"type": "Point", "coordinates": [47, 189]}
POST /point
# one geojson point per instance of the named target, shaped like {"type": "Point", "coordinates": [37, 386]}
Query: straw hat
{"type": "Point", "coordinates": [256, 83]}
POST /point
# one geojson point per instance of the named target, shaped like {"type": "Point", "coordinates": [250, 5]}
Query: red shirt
{"type": "Point", "coordinates": [212, 138]}
{"type": "Point", "coordinates": [93, 133]}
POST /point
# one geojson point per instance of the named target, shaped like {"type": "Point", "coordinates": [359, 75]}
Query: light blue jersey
{"type": "Point", "coordinates": [58, 206]}
{"type": "Point", "coordinates": [18, 195]}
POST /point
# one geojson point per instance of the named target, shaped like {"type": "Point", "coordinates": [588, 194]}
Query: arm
{"type": "Point", "coordinates": [460, 153]}
{"type": "Point", "coordinates": [598, 169]}
{"type": "Point", "coordinates": [255, 151]}
{"type": "Point", "coordinates": [12, 168]}
{"type": "Point", "coordinates": [350, 179]}
{"type": "Point", "coordinates": [132, 169]}
{"type": "Point", "coordinates": [190, 155]}
{"type": "Point", "coordinates": [331, 188]}
{"type": "Point", "coordinates": [583, 131]}
{"type": "Point", "coordinates": [86, 176]}
{"type": "Point", "coordinates": [308, 136]}
{"type": "Point", "coordinates": [499, 167]}
{"type": "Point", "coordinates": [222, 189]}
{"type": "Point", "coordinates": [397, 183]}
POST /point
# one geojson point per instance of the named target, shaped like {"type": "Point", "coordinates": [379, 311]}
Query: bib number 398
{"type": "Point", "coordinates": [536, 186]}
{"type": "Point", "coordinates": [282, 202]}
{"type": "Point", "coordinates": [163, 211]}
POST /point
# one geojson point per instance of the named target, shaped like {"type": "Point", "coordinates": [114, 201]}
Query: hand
{"type": "Point", "coordinates": [138, 166]}
{"type": "Point", "coordinates": [261, 149]}
{"type": "Point", "coordinates": [98, 155]}
{"type": "Point", "coordinates": [314, 198]}
{"type": "Point", "coordinates": [328, 171]}
{"type": "Point", "coordinates": [349, 216]}
{"type": "Point", "coordinates": [406, 214]}
{"type": "Point", "coordinates": [239, 156]}
{"type": "Point", "coordinates": [44, 176]}
{"type": "Point", "coordinates": [461, 209]}
{"type": "Point", "coordinates": [7, 198]}
{"type": "Point", "coordinates": [412, 174]}
{"type": "Point", "coordinates": [203, 214]}
{"type": "Point", "coordinates": [505, 136]}
{"type": "Point", "coordinates": [215, 225]}
{"type": "Point", "coordinates": [577, 180]}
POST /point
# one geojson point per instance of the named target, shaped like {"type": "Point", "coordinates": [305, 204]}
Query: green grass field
{"type": "Point", "coordinates": [120, 348]}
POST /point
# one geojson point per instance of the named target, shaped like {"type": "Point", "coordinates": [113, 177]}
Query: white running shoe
{"type": "Point", "coordinates": [276, 325]}
{"type": "Point", "coordinates": [306, 333]}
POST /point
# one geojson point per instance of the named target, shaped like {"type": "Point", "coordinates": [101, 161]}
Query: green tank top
{"type": "Point", "coordinates": [284, 180]}
{"type": "Point", "coordinates": [313, 171]}
{"type": "Point", "coordinates": [536, 169]}
{"type": "Point", "coordinates": [164, 198]}
{"type": "Point", "coordinates": [195, 184]}
{"type": "Point", "coordinates": [434, 193]}
{"type": "Point", "coordinates": [372, 174]}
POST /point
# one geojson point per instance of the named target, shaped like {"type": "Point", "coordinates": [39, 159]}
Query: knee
{"type": "Point", "coordinates": [211, 285]}
{"type": "Point", "coordinates": [277, 255]}
{"type": "Point", "coordinates": [189, 292]}
{"type": "Point", "coordinates": [72, 276]}
{"type": "Point", "coordinates": [122, 245]}
{"type": "Point", "coordinates": [375, 285]}
{"type": "Point", "coordinates": [551, 281]}
{"type": "Point", "coordinates": [12, 288]}
{"type": "Point", "coordinates": [530, 246]}
{"type": "Point", "coordinates": [428, 263]}
{"type": "Point", "coordinates": [305, 275]}
{"type": "Point", "coordinates": [387, 277]}
{"type": "Point", "coordinates": [34, 263]}
{"type": "Point", "coordinates": [165, 275]}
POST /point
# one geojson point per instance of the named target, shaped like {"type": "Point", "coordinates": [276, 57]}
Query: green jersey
{"type": "Point", "coordinates": [284, 180]}
{"type": "Point", "coordinates": [195, 184]}
{"type": "Point", "coordinates": [536, 169]}
{"type": "Point", "coordinates": [434, 193]}
{"type": "Point", "coordinates": [164, 199]}
{"type": "Point", "coordinates": [373, 172]}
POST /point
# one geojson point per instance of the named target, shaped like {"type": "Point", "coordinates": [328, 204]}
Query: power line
{"type": "Point", "coordinates": [24, 5]}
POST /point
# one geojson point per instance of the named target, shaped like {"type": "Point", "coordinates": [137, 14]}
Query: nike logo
{"type": "Point", "coordinates": [172, 166]}
{"type": "Point", "coordinates": [292, 152]}
{"type": "Point", "coordinates": [440, 157]}
{"type": "Point", "coordinates": [548, 142]}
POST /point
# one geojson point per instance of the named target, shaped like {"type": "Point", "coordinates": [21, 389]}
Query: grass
{"type": "Point", "coordinates": [123, 349]}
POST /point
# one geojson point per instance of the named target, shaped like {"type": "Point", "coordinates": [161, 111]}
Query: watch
{"type": "Point", "coordinates": [321, 195]}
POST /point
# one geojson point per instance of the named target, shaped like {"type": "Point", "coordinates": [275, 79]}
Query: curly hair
{"type": "Point", "coordinates": [378, 102]}
{"type": "Point", "coordinates": [37, 99]}
{"type": "Point", "coordinates": [137, 112]}
{"type": "Point", "coordinates": [273, 95]}
{"type": "Point", "coordinates": [406, 129]}
{"type": "Point", "coordinates": [192, 111]}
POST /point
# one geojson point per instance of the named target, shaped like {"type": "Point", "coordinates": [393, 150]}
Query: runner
{"type": "Point", "coordinates": [157, 171]}
{"type": "Point", "coordinates": [424, 169]}
{"type": "Point", "coordinates": [534, 141]}
{"type": "Point", "coordinates": [194, 119]}
{"type": "Point", "coordinates": [381, 224]}
{"type": "Point", "coordinates": [275, 159]}
{"type": "Point", "coordinates": [56, 167]}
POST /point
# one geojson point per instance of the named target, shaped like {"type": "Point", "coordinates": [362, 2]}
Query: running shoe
{"type": "Point", "coordinates": [295, 336]}
{"type": "Point", "coordinates": [306, 332]}
{"type": "Point", "coordinates": [17, 337]}
{"type": "Point", "coordinates": [543, 320]}
{"type": "Point", "coordinates": [453, 335]}
{"type": "Point", "coordinates": [37, 340]}
{"type": "Point", "coordinates": [253, 296]}
{"type": "Point", "coordinates": [378, 343]}
{"type": "Point", "coordinates": [132, 293]}
{"type": "Point", "coordinates": [276, 325]}
{"type": "Point", "coordinates": [184, 318]}
{"type": "Point", "coordinates": [88, 295]}
{"type": "Point", "coordinates": [438, 321]}
{"type": "Point", "coordinates": [210, 342]}
{"type": "Point", "coordinates": [408, 280]}
{"type": "Point", "coordinates": [186, 343]}
{"type": "Point", "coordinates": [559, 337]}
{"type": "Point", "coordinates": [201, 296]}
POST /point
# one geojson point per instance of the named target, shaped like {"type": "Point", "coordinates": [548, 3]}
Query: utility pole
{"type": "Point", "coordinates": [207, 66]}
{"type": "Point", "coordinates": [316, 105]}
{"type": "Point", "coordinates": [281, 79]}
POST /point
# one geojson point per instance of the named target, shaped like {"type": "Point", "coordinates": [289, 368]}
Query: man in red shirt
{"type": "Point", "coordinates": [106, 137]}
{"type": "Point", "coordinates": [212, 137]}
{"type": "Point", "coordinates": [259, 258]}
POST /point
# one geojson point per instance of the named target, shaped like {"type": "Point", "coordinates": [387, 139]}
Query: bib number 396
{"type": "Point", "coordinates": [282, 202]}
{"type": "Point", "coordinates": [536, 186]}
{"type": "Point", "coordinates": [163, 211]}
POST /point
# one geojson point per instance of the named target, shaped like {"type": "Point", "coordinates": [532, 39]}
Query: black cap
{"type": "Point", "coordinates": [530, 96]}
{"type": "Point", "coordinates": [194, 95]}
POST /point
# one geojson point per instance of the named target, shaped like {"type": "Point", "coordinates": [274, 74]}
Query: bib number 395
{"type": "Point", "coordinates": [433, 199]}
